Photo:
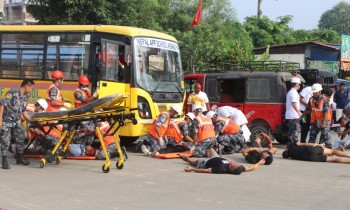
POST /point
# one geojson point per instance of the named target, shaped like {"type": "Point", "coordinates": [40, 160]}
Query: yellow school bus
{"type": "Point", "coordinates": [144, 63]}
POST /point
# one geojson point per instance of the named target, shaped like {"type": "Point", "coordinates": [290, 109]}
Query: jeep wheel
{"type": "Point", "coordinates": [256, 130]}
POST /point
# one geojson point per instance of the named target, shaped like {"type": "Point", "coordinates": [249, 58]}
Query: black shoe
{"type": "Point", "coordinates": [5, 164]}
{"type": "Point", "coordinates": [20, 159]}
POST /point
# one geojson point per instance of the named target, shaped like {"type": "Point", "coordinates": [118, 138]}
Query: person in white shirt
{"type": "Point", "coordinates": [236, 115]}
{"type": "Point", "coordinates": [293, 111]}
{"type": "Point", "coordinates": [198, 98]}
{"type": "Point", "coordinates": [305, 96]}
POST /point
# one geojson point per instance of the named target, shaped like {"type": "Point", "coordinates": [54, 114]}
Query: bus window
{"type": "Point", "coordinates": [111, 64]}
{"type": "Point", "coordinates": [69, 53]}
{"type": "Point", "coordinates": [22, 55]}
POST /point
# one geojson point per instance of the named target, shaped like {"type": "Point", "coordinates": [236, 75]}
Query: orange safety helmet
{"type": "Point", "coordinates": [83, 80]}
{"type": "Point", "coordinates": [57, 75]}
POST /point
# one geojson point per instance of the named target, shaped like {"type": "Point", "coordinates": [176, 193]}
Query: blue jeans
{"type": "Point", "coordinates": [337, 143]}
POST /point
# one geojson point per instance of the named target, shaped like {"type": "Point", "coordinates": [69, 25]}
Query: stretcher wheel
{"type": "Point", "coordinates": [103, 169]}
{"type": "Point", "coordinates": [42, 163]}
{"type": "Point", "coordinates": [119, 167]}
{"type": "Point", "coordinates": [134, 121]}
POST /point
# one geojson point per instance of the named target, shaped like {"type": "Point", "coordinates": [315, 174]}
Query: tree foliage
{"type": "Point", "coordinates": [268, 32]}
{"type": "Point", "coordinates": [218, 38]}
{"type": "Point", "coordinates": [337, 18]}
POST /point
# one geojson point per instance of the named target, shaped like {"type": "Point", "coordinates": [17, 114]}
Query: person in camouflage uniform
{"type": "Point", "coordinates": [12, 107]}
{"type": "Point", "coordinates": [319, 107]}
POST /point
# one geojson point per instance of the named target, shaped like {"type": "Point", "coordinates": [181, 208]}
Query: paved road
{"type": "Point", "coordinates": [147, 183]}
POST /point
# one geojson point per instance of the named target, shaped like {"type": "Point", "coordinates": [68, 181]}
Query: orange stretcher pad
{"type": "Point", "coordinates": [173, 155]}
{"type": "Point", "coordinates": [68, 157]}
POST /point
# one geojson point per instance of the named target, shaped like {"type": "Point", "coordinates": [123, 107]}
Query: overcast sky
{"type": "Point", "coordinates": [306, 13]}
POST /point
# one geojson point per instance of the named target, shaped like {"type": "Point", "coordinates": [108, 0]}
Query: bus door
{"type": "Point", "coordinates": [111, 69]}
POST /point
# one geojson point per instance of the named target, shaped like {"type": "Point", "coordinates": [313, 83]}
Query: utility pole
{"type": "Point", "coordinates": [259, 9]}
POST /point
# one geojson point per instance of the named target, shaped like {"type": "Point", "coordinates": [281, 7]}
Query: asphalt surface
{"type": "Point", "coordinates": [148, 183]}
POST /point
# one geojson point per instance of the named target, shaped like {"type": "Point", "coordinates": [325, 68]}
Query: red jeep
{"type": "Point", "coordinates": [261, 95]}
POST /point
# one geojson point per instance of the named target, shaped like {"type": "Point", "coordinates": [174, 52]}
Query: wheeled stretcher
{"type": "Point", "coordinates": [108, 109]}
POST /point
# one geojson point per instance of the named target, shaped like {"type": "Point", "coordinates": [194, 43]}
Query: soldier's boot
{"type": "Point", "coordinates": [20, 159]}
{"type": "Point", "coordinates": [5, 164]}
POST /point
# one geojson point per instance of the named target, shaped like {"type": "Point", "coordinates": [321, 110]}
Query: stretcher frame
{"type": "Point", "coordinates": [111, 111]}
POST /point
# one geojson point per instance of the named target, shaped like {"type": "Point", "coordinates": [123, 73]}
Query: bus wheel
{"type": "Point", "coordinates": [256, 130]}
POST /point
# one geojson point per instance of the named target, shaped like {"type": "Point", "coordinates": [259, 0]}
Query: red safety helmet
{"type": "Point", "coordinates": [83, 80]}
{"type": "Point", "coordinates": [57, 75]}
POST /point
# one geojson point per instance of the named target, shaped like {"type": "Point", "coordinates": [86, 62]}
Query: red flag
{"type": "Point", "coordinates": [197, 19]}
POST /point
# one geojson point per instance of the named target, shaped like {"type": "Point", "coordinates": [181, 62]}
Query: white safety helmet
{"type": "Point", "coordinates": [197, 106]}
{"type": "Point", "coordinates": [295, 80]}
{"type": "Point", "coordinates": [42, 103]}
{"type": "Point", "coordinates": [316, 88]}
{"type": "Point", "coordinates": [176, 108]}
{"type": "Point", "coordinates": [210, 114]}
{"type": "Point", "coordinates": [190, 115]}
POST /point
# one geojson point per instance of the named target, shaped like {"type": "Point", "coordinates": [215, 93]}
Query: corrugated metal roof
{"type": "Point", "coordinates": [332, 46]}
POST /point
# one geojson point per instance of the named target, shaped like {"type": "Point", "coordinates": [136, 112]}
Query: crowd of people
{"type": "Point", "coordinates": [206, 132]}
{"type": "Point", "coordinates": [216, 131]}
{"type": "Point", "coordinates": [15, 108]}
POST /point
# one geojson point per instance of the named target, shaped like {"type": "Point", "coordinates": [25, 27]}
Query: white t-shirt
{"type": "Point", "coordinates": [236, 114]}
{"type": "Point", "coordinates": [306, 94]}
{"type": "Point", "coordinates": [200, 98]}
{"type": "Point", "coordinates": [292, 97]}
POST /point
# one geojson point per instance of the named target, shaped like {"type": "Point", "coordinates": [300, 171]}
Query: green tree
{"type": "Point", "coordinates": [205, 46]}
{"type": "Point", "coordinates": [117, 12]}
{"type": "Point", "coordinates": [264, 31]}
{"type": "Point", "coordinates": [337, 18]}
{"type": "Point", "coordinates": [69, 11]}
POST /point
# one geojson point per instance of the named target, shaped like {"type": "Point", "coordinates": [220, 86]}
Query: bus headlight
{"type": "Point", "coordinates": [143, 108]}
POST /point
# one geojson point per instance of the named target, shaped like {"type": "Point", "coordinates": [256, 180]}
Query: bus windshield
{"type": "Point", "coordinates": [157, 65]}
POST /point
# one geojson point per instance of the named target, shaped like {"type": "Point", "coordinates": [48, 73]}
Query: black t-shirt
{"type": "Point", "coordinates": [298, 153]}
{"type": "Point", "coordinates": [218, 165]}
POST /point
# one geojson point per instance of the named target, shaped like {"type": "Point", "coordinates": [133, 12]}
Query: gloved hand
{"type": "Point", "coordinates": [95, 95]}
{"type": "Point", "coordinates": [161, 142]}
{"type": "Point", "coordinates": [66, 104]}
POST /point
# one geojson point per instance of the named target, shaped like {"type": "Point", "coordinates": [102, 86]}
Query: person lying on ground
{"type": "Point", "coordinates": [315, 153]}
{"type": "Point", "coordinates": [217, 165]}
{"type": "Point", "coordinates": [255, 152]}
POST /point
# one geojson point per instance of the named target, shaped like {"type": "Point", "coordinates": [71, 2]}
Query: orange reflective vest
{"type": "Point", "coordinates": [107, 140]}
{"type": "Point", "coordinates": [51, 107]}
{"type": "Point", "coordinates": [86, 94]}
{"type": "Point", "coordinates": [162, 129]}
{"type": "Point", "coordinates": [317, 112]}
{"type": "Point", "coordinates": [230, 126]}
{"type": "Point", "coordinates": [54, 132]}
{"type": "Point", "coordinates": [205, 128]}
{"type": "Point", "coordinates": [174, 131]}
